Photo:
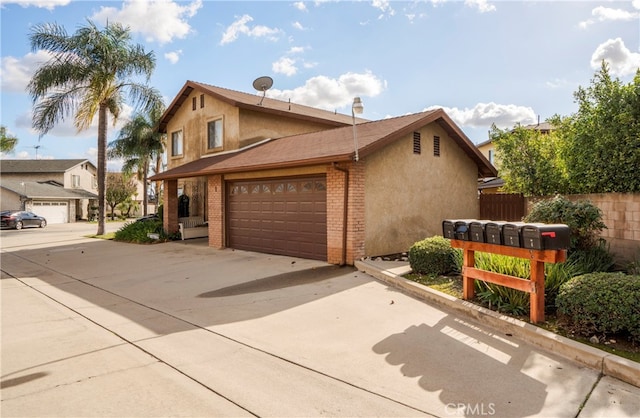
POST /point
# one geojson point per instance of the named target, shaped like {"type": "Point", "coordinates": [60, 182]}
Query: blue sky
{"type": "Point", "coordinates": [484, 62]}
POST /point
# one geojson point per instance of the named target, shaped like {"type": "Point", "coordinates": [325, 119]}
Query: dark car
{"type": "Point", "coordinates": [153, 217]}
{"type": "Point", "coordinates": [19, 219]}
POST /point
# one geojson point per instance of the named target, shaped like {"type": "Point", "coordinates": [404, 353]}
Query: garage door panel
{"type": "Point", "coordinates": [281, 216]}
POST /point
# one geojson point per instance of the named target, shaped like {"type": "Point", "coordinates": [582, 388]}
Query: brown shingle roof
{"type": "Point", "coordinates": [251, 102]}
{"type": "Point", "coordinates": [39, 166]}
{"type": "Point", "coordinates": [333, 145]}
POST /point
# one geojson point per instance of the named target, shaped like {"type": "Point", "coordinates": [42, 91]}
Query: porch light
{"type": "Point", "coordinates": [356, 107]}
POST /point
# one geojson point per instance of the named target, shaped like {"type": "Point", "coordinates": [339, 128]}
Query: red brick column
{"type": "Point", "coordinates": [335, 215]}
{"type": "Point", "coordinates": [215, 210]}
{"type": "Point", "coordinates": [170, 210]}
{"type": "Point", "coordinates": [355, 222]}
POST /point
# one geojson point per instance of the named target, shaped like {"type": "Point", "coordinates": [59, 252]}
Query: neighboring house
{"type": "Point", "coordinates": [487, 148]}
{"type": "Point", "coordinates": [277, 177]}
{"type": "Point", "coordinates": [60, 190]}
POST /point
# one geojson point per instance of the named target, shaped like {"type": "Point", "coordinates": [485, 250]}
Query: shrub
{"type": "Point", "coordinates": [583, 218]}
{"type": "Point", "coordinates": [433, 256]}
{"type": "Point", "coordinates": [138, 231]}
{"type": "Point", "coordinates": [601, 303]}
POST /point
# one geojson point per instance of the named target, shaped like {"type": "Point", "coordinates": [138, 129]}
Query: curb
{"type": "Point", "coordinates": [608, 364]}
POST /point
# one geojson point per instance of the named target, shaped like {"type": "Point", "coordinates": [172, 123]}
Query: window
{"type": "Point", "coordinates": [94, 183]}
{"type": "Point", "coordinates": [201, 100]}
{"type": "Point", "coordinates": [75, 181]}
{"type": "Point", "coordinates": [436, 146]}
{"type": "Point", "coordinates": [417, 146]}
{"type": "Point", "coordinates": [491, 156]}
{"type": "Point", "coordinates": [193, 103]}
{"type": "Point", "coordinates": [176, 143]}
{"type": "Point", "coordinates": [214, 134]}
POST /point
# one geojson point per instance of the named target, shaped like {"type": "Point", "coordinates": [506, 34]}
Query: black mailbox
{"type": "Point", "coordinates": [493, 232]}
{"type": "Point", "coordinates": [477, 231]}
{"type": "Point", "coordinates": [456, 229]}
{"type": "Point", "coordinates": [511, 234]}
{"type": "Point", "coordinates": [546, 236]}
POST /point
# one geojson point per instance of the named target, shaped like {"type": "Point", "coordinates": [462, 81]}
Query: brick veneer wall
{"type": "Point", "coordinates": [621, 214]}
{"type": "Point", "coordinates": [215, 208]}
{"type": "Point", "coordinates": [170, 211]}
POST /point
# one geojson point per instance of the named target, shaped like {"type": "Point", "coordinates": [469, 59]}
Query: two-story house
{"type": "Point", "coordinates": [60, 190]}
{"type": "Point", "coordinates": [278, 177]}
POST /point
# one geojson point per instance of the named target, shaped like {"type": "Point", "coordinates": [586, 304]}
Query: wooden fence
{"type": "Point", "coordinates": [502, 207]}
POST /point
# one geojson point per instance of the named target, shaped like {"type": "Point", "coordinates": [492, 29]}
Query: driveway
{"type": "Point", "coordinates": [100, 328]}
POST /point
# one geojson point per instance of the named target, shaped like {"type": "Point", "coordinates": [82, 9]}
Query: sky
{"type": "Point", "coordinates": [484, 62]}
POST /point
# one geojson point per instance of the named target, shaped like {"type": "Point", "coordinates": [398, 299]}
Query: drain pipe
{"type": "Point", "coordinates": [345, 212]}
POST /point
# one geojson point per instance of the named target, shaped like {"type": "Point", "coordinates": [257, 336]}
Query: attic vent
{"type": "Point", "coordinates": [436, 146]}
{"type": "Point", "coordinates": [193, 103]}
{"type": "Point", "coordinates": [201, 100]}
{"type": "Point", "coordinates": [417, 147]}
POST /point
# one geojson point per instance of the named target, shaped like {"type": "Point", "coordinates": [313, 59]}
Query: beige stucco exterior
{"type": "Point", "coordinates": [408, 195]}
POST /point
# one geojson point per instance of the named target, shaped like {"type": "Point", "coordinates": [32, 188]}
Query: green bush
{"type": "Point", "coordinates": [433, 256]}
{"type": "Point", "coordinates": [138, 232]}
{"type": "Point", "coordinates": [583, 218]}
{"type": "Point", "coordinates": [601, 303]}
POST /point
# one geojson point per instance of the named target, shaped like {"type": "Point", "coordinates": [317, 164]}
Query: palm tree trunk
{"type": "Point", "coordinates": [102, 166]}
{"type": "Point", "coordinates": [144, 186]}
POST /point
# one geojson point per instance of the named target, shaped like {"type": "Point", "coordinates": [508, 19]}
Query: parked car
{"type": "Point", "coordinates": [19, 219]}
{"type": "Point", "coordinates": [152, 217]}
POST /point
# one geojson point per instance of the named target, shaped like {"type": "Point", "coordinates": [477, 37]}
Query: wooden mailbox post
{"type": "Point", "coordinates": [534, 286]}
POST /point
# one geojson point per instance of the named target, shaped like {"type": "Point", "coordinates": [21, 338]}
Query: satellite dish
{"type": "Point", "coordinates": [262, 84]}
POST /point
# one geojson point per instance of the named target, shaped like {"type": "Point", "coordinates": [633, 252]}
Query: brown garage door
{"type": "Point", "coordinates": [285, 216]}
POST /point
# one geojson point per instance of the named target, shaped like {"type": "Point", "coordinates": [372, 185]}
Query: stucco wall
{"type": "Point", "coordinates": [408, 195]}
{"type": "Point", "coordinates": [9, 200]}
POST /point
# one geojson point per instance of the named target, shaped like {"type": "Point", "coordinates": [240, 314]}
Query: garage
{"type": "Point", "coordinates": [286, 216]}
{"type": "Point", "coordinates": [53, 212]}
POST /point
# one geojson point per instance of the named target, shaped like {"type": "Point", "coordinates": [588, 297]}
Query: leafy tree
{"type": "Point", "coordinates": [120, 187]}
{"type": "Point", "coordinates": [530, 161]}
{"type": "Point", "coordinates": [602, 151]}
{"type": "Point", "coordinates": [139, 143]}
{"type": "Point", "coordinates": [7, 142]}
{"type": "Point", "coordinates": [91, 72]}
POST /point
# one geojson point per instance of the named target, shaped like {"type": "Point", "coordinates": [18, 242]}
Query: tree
{"type": "Point", "coordinates": [7, 142]}
{"type": "Point", "coordinates": [120, 187]}
{"type": "Point", "coordinates": [602, 150]}
{"type": "Point", "coordinates": [530, 161]}
{"type": "Point", "coordinates": [139, 142]}
{"type": "Point", "coordinates": [91, 72]}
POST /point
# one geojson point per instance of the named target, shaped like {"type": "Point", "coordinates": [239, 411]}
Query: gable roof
{"type": "Point", "coordinates": [252, 102]}
{"type": "Point", "coordinates": [39, 166]}
{"type": "Point", "coordinates": [333, 145]}
{"type": "Point", "coordinates": [44, 190]}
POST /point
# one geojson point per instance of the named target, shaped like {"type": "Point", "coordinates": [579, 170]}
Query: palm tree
{"type": "Point", "coordinates": [91, 71]}
{"type": "Point", "coordinates": [139, 142]}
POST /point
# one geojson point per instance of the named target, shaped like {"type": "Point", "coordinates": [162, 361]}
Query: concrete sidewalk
{"type": "Point", "coordinates": [99, 328]}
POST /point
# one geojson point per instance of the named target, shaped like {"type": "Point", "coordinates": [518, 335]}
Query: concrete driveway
{"type": "Point", "coordinates": [100, 328]}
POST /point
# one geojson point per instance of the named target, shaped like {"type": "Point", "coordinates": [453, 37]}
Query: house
{"type": "Point", "coordinates": [277, 177]}
{"type": "Point", "coordinates": [60, 190]}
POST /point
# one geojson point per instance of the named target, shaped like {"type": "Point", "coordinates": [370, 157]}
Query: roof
{"type": "Point", "coordinates": [39, 166]}
{"type": "Point", "coordinates": [44, 190]}
{"type": "Point", "coordinates": [256, 103]}
{"type": "Point", "coordinates": [490, 183]}
{"type": "Point", "coordinates": [333, 145]}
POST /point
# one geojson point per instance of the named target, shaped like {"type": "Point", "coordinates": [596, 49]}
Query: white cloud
{"type": "Point", "coordinates": [621, 60]}
{"type": "Point", "coordinates": [298, 25]}
{"type": "Point", "coordinates": [240, 27]}
{"type": "Point", "coordinates": [173, 56]}
{"type": "Point", "coordinates": [486, 114]}
{"type": "Point", "coordinates": [157, 20]}
{"type": "Point", "coordinates": [15, 73]}
{"type": "Point", "coordinates": [481, 5]}
{"type": "Point", "coordinates": [636, 4]}
{"type": "Point", "coordinates": [384, 7]}
{"type": "Point", "coordinates": [285, 66]}
{"type": "Point", "coordinates": [42, 4]}
{"type": "Point", "coordinates": [605, 14]}
{"type": "Point", "coordinates": [330, 93]}
{"type": "Point", "coordinates": [300, 6]}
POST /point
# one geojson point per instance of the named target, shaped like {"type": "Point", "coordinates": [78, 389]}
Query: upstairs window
{"type": "Point", "coordinates": [436, 146]}
{"type": "Point", "coordinates": [193, 103]}
{"type": "Point", "coordinates": [491, 156]}
{"type": "Point", "coordinates": [417, 146]}
{"type": "Point", "coordinates": [201, 100]}
{"type": "Point", "coordinates": [75, 181]}
{"type": "Point", "coordinates": [214, 134]}
{"type": "Point", "coordinates": [176, 143]}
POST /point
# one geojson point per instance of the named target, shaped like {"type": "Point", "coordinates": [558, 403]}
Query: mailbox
{"type": "Point", "coordinates": [493, 232]}
{"type": "Point", "coordinates": [477, 231]}
{"type": "Point", "coordinates": [511, 234]}
{"type": "Point", "coordinates": [546, 236]}
{"type": "Point", "coordinates": [456, 229]}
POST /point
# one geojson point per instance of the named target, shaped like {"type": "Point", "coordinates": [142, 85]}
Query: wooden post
{"type": "Point", "coordinates": [534, 286]}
